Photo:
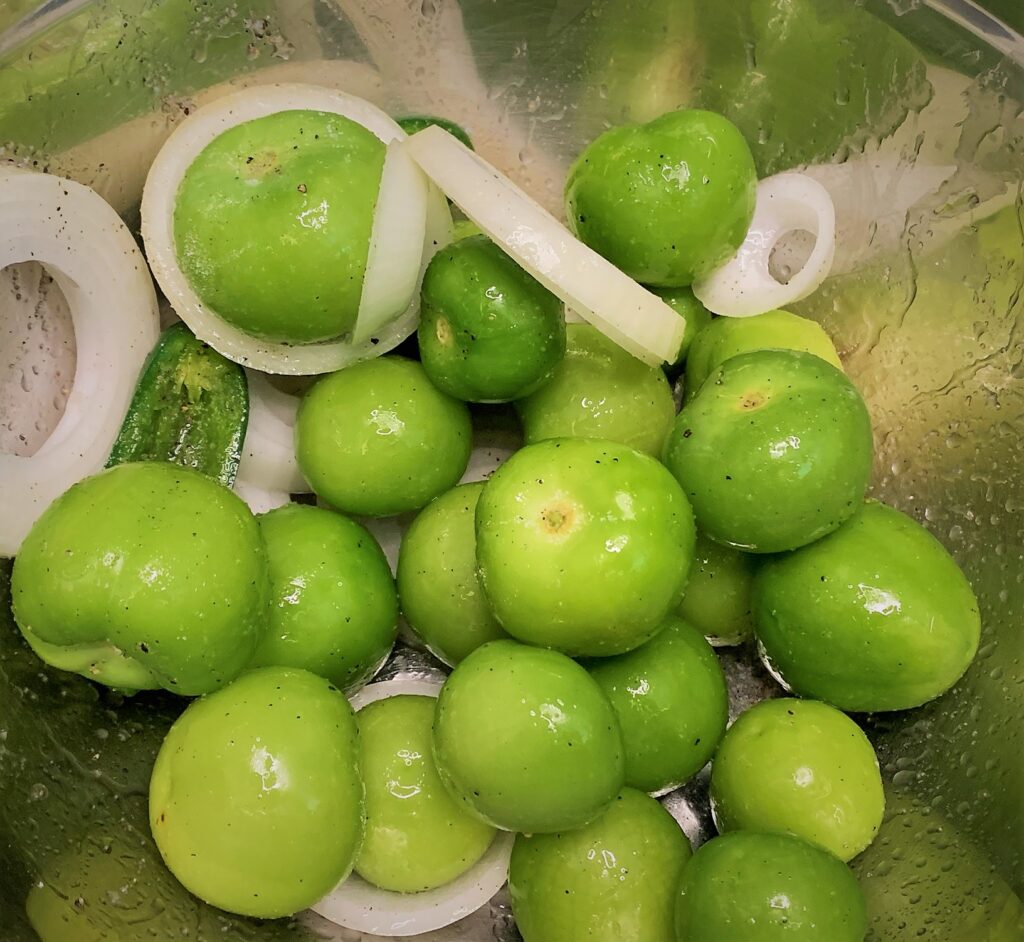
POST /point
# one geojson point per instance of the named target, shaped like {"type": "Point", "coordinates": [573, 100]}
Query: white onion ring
{"type": "Point", "coordinates": [160, 193]}
{"type": "Point", "coordinates": [388, 532]}
{"type": "Point", "coordinates": [356, 904]}
{"type": "Point", "coordinates": [396, 244]}
{"type": "Point", "coordinates": [629, 314]}
{"type": "Point", "coordinates": [268, 452]}
{"type": "Point", "coordinates": [92, 256]}
{"type": "Point", "coordinates": [744, 286]}
{"type": "Point", "coordinates": [260, 499]}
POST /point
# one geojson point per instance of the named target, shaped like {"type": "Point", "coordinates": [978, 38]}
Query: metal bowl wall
{"type": "Point", "coordinates": [915, 111]}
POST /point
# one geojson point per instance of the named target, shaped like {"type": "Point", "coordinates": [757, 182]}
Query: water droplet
{"type": "Point", "coordinates": [38, 792]}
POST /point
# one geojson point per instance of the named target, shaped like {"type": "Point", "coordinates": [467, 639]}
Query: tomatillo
{"type": "Point", "coordinates": [666, 201]}
{"type": "Point", "coordinates": [256, 802]}
{"type": "Point", "coordinates": [146, 575]}
{"type": "Point", "coordinates": [583, 545]}
{"type": "Point", "coordinates": [774, 452]}
{"type": "Point", "coordinates": [526, 740]}
{"type": "Point", "coordinates": [877, 616]}
{"type": "Point", "coordinates": [616, 878]}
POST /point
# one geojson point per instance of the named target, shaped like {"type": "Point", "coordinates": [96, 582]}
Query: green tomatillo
{"type": "Point", "coordinates": [334, 609]}
{"type": "Point", "coordinates": [418, 836]}
{"type": "Point", "coordinates": [439, 591]}
{"type": "Point", "coordinates": [379, 438]}
{"type": "Point", "coordinates": [717, 598]}
{"type": "Point", "coordinates": [526, 740]}
{"type": "Point", "coordinates": [877, 616]}
{"type": "Point", "coordinates": [672, 703]}
{"type": "Point", "coordinates": [488, 331]}
{"type": "Point", "coordinates": [617, 878]}
{"type": "Point", "coordinates": [256, 802]}
{"type": "Point", "coordinates": [600, 391]}
{"type": "Point", "coordinates": [417, 122]}
{"type": "Point", "coordinates": [143, 576]}
{"type": "Point", "coordinates": [727, 337]}
{"type": "Point", "coordinates": [799, 767]}
{"type": "Point", "coordinates": [751, 887]}
{"type": "Point", "coordinates": [583, 545]}
{"type": "Point", "coordinates": [774, 452]}
{"type": "Point", "coordinates": [272, 223]}
{"type": "Point", "coordinates": [696, 316]}
{"type": "Point", "coordinates": [666, 201]}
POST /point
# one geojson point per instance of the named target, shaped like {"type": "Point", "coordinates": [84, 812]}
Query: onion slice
{"type": "Point", "coordinates": [92, 256]}
{"type": "Point", "coordinates": [260, 499]}
{"type": "Point", "coordinates": [609, 299]}
{"type": "Point", "coordinates": [744, 285]}
{"type": "Point", "coordinates": [268, 452]}
{"type": "Point", "coordinates": [160, 193]}
{"type": "Point", "coordinates": [356, 904]}
{"type": "Point", "coordinates": [396, 244]}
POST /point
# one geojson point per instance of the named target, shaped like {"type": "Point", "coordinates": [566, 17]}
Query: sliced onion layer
{"type": "Point", "coordinates": [388, 532]}
{"type": "Point", "coordinates": [609, 299]}
{"type": "Point", "coordinates": [268, 453]}
{"type": "Point", "coordinates": [93, 258]}
{"type": "Point", "coordinates": [358, 905]}
{"type": "Point", "coordinates": [158, 198]}
{"type": "Point", "coordinates": [260, 499]}
{"type": "Point", "coordinates": [396, 244]}
{"type": "Point", "coordinates": [744, 285]}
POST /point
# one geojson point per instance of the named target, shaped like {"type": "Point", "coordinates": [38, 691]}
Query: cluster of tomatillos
{"type": "Point", "coordinates": [573, 593]}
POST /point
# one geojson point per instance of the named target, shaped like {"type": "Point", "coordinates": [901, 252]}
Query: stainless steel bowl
{"type": "Point", "coordinates": [911, 112]}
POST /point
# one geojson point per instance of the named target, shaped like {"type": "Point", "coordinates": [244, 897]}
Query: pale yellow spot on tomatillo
{"type": "Point", "coordinates": [257, 166]}
{"type": "Point", "coordinates": [752, 400]}
{"type": "Point", "coordinates": [443, 332]}
{"type": "Point", "coordinates": [559, 518]}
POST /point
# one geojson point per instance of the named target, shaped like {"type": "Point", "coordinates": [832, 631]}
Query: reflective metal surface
{"type": "Point", "coordinates": [912, 121]}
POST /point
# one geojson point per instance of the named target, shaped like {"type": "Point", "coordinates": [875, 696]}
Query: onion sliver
{"type": "Point", "coordinates": [396, 244]}
{"type": "Point", "coordinates": [356, 904]}
{"type": "Point", "coordinates": [744, 285]}
{"type": "Point", "coordinates": [260, 499]}
{"type": "Point", "coordinates": [609, 299]}
{"type": "Point", "coordinates": [268, 453]}
{"type": "Point", "coordinates": [92, 256]}
{"type": "Point", "coordinates": [160, 193]}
